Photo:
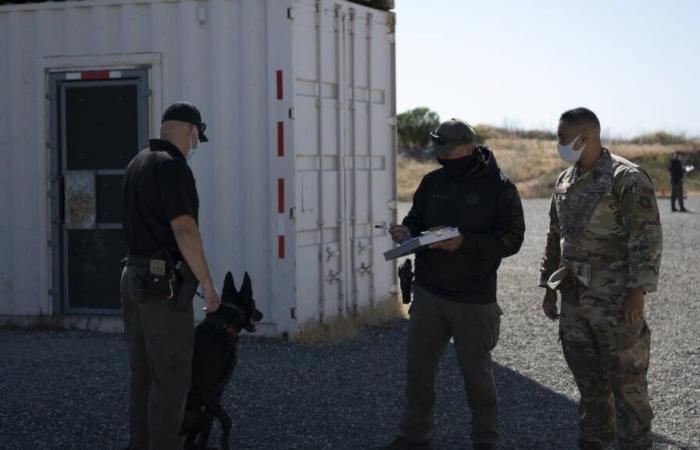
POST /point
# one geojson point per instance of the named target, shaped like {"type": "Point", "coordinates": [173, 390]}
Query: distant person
{"type": "Point", "coordinates": [602, 255]}
{"type": "Point", "coordinates": [162, 235]}
{"type": "Point", "coordinates": [676, 170]}
{"type": "Point", "coordinates": [455, 294]}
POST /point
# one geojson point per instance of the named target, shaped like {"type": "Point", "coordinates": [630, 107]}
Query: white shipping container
{"type": "Point", "coordinates": [299, 99]}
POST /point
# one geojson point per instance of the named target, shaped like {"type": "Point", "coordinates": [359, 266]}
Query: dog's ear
{"type": "Point", "coordinates": [247, 287]}
{"type": "Point", "coordinates": [229, 285]}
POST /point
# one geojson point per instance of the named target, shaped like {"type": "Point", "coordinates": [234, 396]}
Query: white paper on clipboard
{"type": "Point", "coordinates": [426, 238]}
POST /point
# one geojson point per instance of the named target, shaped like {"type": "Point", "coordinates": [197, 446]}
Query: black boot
{"type": "Point", "coordinates": [401, 443]}
{"type": "Point", "coordinates": [483, 446]}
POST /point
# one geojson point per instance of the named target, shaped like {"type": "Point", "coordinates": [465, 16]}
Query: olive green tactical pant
{"type": "Point", "coordinates": [160, 342]}
{"type": "Point", "coordinates": [609, 359]}
{"type": "Point", "coordinates": [475, 329]}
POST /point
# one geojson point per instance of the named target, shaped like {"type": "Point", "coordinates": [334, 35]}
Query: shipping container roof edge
{"type": "Point", "coordinates": [384, 5]}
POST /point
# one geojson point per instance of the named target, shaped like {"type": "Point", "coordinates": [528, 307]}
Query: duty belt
{"type": "Point", "coordinates": [155, 269]}
{"type": "Point", "coordinates": [145, 261]}
{"type": "Point", "coordinates": [137, 260]}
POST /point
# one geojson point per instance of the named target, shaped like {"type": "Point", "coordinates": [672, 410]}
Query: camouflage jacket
{"type": "Point", "coordinates": [604, 229]}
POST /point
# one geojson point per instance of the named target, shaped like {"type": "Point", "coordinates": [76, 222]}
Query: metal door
{"type": "Point", "coordinates": [344, 156]}
{"type": "Point", "coordinates": [99, 121]}
{"type": "Point", "coordinates": [367, 151]}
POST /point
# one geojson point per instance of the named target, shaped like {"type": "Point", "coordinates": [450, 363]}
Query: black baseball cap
{"type": "Point", "coordinates": [450, 134]}
{"type": "Point", "coordinates": [186, 112]}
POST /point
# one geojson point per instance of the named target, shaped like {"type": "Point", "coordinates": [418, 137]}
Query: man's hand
{"type": "Point", "coordinates": [633, 308]}
{"type": "Point", "coordinates": [399, 233]}
{"type": "Point", "coordinates": [549, 305]}
{"type": "Point", "coordinates": [449, 245]}
{"type": "Point", "coordinates": [211, 297]}
{"type": "Point", "coordinates": [189, 242]}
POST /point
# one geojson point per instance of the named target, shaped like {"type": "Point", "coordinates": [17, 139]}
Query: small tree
{"type": "Point", "coordinates": [414, 128]}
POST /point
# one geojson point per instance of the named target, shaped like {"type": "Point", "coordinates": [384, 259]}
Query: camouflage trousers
{"type": "Point", "coordinates": [609, 359]}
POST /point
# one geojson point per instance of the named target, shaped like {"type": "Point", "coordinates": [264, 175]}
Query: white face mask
{"type": "Point", "coordinates": [567, 152]}
{"type": "Point", "coordinates": [193, 148]}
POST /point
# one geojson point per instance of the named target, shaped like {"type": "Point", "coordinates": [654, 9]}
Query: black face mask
{"type": "Point", "coordinates": [457, 168]}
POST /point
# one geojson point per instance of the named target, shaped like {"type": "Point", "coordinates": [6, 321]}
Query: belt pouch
{"type": "Point", "coordinates": [157, 279]}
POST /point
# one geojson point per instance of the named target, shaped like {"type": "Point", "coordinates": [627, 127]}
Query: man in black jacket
{"type": "Point", "coordinates": [456, 280]}
{"type": "Point", "coordinates": [676, 170]}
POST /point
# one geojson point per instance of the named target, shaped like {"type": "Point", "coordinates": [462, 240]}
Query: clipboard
{"type": "Point", "coordinates": [426, 238]}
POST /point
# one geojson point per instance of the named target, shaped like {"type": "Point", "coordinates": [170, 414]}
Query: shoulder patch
{"type": "Point", "coordinates": [644, 203]}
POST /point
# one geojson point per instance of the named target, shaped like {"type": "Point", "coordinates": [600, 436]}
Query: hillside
{"type": "Point", "coordinates": [533, 163]}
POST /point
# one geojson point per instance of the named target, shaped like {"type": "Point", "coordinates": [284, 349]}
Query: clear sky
{"type": "Point", "coordinates": [520, 63]}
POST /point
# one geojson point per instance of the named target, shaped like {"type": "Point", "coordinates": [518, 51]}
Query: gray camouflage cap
{"type": "Point", "coordinates": [450, 134]}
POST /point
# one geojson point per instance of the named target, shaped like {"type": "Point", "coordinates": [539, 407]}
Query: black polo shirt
{"type": "Point", "coordinates": [158, 187]}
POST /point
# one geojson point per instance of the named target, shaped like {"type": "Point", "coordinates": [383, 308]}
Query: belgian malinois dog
{"type": "Point", "coordinates": [213, 361]}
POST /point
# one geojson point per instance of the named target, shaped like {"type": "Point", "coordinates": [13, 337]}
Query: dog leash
{"type": "Point", "coordinates": [225, 305]}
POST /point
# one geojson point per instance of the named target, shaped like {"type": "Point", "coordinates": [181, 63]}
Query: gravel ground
{"type": "Point", "coordinates": [68, 390]}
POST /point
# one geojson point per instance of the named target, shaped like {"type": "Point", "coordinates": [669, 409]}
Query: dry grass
{"type": "Point", "coordinates": [637, 151]}
{"type": "Point", "coordinates": [526, 159]}
{"type": "Point", "coordinates": [347, 327]}
{"type": "Point", "coordinates": [533, 164]}
{"type": "Point", "coordinates": [411, 171]}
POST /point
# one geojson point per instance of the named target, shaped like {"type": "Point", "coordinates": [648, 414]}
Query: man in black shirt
{"type": "Point", "coordinates": [676, 170]}
{"type": "Point", "coordinates": [455, 280]}
{"type": "Point", "coordinates": [161, 227]}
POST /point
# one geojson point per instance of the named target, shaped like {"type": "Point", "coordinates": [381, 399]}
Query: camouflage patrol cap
{"type": "Point", "coordinates": [450, 134]}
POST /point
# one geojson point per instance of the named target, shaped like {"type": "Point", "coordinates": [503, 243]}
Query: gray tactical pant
{"type": "Point", "coordinates": [475, 329]}
{"type": "Point", "coordinates": [160, 342]}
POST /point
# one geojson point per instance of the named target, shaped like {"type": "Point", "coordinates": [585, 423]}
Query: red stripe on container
{"type": "Point", "coordinates": [95, 75]}
{"type": "Point", "coordinates": [280, 196]}
{"type": "Point", "coordinates": [280, 247]}
{"type": "Point", "coordinates": [280, 91]}
{"type": "Point", "coordinates": [280, 139]}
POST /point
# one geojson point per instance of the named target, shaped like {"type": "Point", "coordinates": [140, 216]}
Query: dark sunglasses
{"type": "Point", "coordinates": [439, 140]}
{"type": "Point", "coordinates": [202, 127]}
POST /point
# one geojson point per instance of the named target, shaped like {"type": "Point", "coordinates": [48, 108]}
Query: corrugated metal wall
{"type": "Point", "coordinates": [222, 55]}
{"type": "Point", "coordinates": [344, 155]}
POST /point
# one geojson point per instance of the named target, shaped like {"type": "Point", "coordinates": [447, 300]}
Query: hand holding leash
{"type": "Point", "coordinates": [211, 297]}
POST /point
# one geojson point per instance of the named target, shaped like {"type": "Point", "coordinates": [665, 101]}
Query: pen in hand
{"type": "Point", "coordinates": [385, 227]}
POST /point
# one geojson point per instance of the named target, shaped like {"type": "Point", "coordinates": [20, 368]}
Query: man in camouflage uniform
{"type": "Point", "coordinates": [602, 255]}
